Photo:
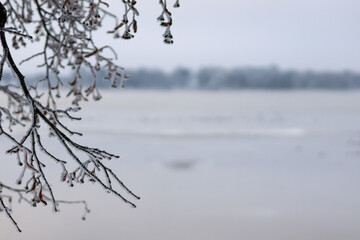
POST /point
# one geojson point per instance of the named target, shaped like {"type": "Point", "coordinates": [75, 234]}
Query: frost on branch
{"type": "Point", "coordinates": [65, 30]}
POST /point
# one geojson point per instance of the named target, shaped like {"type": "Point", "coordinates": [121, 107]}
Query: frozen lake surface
{"type": "Point", "coordinates": [252, 165]}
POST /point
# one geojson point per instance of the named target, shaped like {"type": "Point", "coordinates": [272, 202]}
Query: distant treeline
{"type": "Point", "coordinates": [237, 78]}
{"type": "Point", "coordinates": [242, 78]}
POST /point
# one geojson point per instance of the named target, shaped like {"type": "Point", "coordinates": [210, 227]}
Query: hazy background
{"type": "Point", "coordinates": [228, 164]}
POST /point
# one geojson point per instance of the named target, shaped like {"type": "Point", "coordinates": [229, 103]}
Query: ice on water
{"type": "Point", "coordinates": [219, 165]}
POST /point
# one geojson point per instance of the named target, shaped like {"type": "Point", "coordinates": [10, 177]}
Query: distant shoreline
{"type": "Point", "coordinates": [214, 78]}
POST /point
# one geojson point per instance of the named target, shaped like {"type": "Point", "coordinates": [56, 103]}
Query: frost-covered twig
{"type": "Point", "coordinates": [66, 29]}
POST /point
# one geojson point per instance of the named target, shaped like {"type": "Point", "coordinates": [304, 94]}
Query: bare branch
{"type": "Point", "coordinates": [65, 28]}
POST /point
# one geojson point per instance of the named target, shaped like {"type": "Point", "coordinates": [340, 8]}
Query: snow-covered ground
{"type": "Point", "coordinates": [214, 165]}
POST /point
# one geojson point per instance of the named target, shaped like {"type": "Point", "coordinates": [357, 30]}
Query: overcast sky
{"type": "Point", "coordinates": [296, 34]}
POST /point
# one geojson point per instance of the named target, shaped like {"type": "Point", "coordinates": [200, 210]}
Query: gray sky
{"type": "Point", "coordinates": [297, 34]}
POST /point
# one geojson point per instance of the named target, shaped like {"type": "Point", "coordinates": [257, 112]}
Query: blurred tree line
{"type": "Point", "coordinates": [242, 78]}
{"type": "Point", "coordinates": [237, 78]}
